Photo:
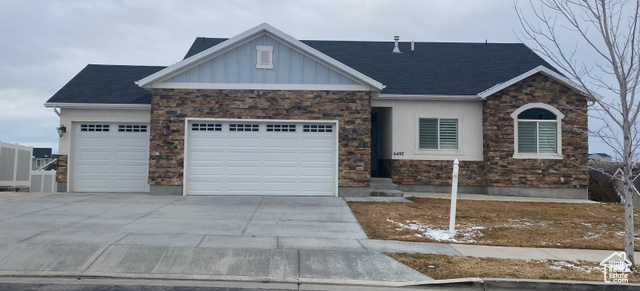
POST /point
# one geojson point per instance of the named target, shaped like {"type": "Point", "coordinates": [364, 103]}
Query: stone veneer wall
{"type": "Point", "coordinates": [502, 170]}
{"type": "Point", "coordinates": [61, 172]}
{"type": "Point", "coordinates": [171, 106]}
{"type": "Point", "coordinates": [436, 173]}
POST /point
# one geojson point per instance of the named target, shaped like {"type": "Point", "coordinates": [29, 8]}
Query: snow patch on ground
{"type": "Point", "coordinates": [563, 265]}
{"type": "Point", "coordinates": [462, 235]}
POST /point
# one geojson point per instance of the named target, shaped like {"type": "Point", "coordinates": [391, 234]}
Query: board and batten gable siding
{"type": "Point", "coordinates": [238, 65]}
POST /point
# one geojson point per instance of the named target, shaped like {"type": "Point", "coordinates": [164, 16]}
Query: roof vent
{"type": "Point", "coordinates": [396, 49]}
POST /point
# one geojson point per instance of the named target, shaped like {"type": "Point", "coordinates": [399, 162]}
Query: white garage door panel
{"type": "Point", "coordinates": [111, 159]}
{"type": "Point", "coordinates": [287, 160]}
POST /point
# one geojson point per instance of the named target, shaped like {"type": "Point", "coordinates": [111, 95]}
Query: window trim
{"type": "Point", "coordinates": [558, 121]}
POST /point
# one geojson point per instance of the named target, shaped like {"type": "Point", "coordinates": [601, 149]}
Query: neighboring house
{"type": "Point", "coordinates": [600, 157]}
{"type": "Point", "coordinates": [263, 113]}
{"type": "Point", "coordinates": [41, 157]}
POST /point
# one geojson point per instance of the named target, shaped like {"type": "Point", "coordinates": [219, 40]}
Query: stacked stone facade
{"type": "Point", "coordinates": [499, 168]}
{"type": "Point", "coordinates": [171, 106]}
{"type": "Point", "coordinates": [61, 172]}
{"type": "Point", "coordinates": [436, 173]}
{"type": "Point", "coordinates": [502, 170]}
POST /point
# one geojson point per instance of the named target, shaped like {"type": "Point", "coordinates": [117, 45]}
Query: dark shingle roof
{"type": "Point", "coordinates": [202, 43]}
{"type": "Point", "coordinates": [110, 84]}
{"type": "Point", "coordinates": [433, 68]}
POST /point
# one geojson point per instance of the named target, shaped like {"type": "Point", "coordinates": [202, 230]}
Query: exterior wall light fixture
{"type": "Point", "coordinates": [61, 130]}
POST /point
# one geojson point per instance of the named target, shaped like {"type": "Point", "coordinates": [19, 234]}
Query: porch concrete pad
{"type": "Point", "coordinates": [340, 267]}
{"type": "Point", "coordinates": [229, 241]}
{"type": "Point", "coordinates": [310, 243]}
{"type": "Point", "coordinates": [305, 229]}
{"type": "Point", "coordinates": [164, 225]}
{"type": "Point", "coordinates": [162, 239]}
{"type": "Point", "coordinates": [42, 259]}
{"type": "Point", "coordinates": [377, 199]}
{"type": "Point", "coordinates": [197, 263]}
{"type": "Point", "coordinates": [390, 246]}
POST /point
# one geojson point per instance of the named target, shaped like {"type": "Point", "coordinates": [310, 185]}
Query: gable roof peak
{"type": "Point", "coordinates": [249, 34]}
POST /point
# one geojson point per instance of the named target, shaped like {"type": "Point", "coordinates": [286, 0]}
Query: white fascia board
{"type": "Point", "coordinates": [544, 70]}
{"type": "Point", "coordinates": [261, 86]}
{"type": "Point", "coordinates": [97, 105]}
{"type": "Point", "coordinates": [241, 38]}
{"type": "Point", "coordinates": [428, 97]}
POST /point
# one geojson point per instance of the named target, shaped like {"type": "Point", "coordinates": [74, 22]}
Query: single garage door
{"type": "Point", "coordinates": [110, 157]}
{"type": "Point", "coordinates": [261, 158]}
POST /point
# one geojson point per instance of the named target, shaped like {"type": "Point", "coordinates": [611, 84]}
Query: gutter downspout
{"type": "Point", "coordinates": [56, 111]}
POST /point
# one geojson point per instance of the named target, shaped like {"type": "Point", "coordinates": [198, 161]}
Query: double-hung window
{"type": "Point", "coordinates": [537, 131]}
{"type": "Point", "coordinates": [439, 134]}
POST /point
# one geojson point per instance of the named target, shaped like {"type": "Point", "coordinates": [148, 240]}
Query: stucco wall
{"type": "Point", "coordinates": [406, 114]}
{"type": "Point", "coordinates": [171, 106]}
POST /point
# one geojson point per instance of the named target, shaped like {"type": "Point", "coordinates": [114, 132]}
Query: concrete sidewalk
{"type": "Point", "coordinates": [495, 197]}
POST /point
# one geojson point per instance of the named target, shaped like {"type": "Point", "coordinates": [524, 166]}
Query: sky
{"type": "Point", "coordinates": [44, 43]}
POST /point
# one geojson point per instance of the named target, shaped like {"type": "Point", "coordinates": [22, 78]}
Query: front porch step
{"type": "Point", "coordinates": [386, 193]}
{"type": "Point", "coordinates": [383, 184]}
{"type": "Point", "coordinates": [384, 187]}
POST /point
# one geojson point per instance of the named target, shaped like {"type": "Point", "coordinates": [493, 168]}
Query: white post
{"type": "Point", "coordinates": [454, 196]}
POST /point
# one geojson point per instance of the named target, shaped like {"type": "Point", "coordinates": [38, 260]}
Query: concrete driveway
{"type": "Point", "coordinates": [130, 235]}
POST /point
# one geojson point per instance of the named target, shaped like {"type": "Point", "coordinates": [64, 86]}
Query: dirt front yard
{"type": "Point", "coordinates": [522, 224]}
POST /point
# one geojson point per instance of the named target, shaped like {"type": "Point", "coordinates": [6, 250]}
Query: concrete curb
{"type": "Point", "coordinates": [205, 278]}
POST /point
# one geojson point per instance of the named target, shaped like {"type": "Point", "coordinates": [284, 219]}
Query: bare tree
{"type": "Point", "coordinates": [608, 29]}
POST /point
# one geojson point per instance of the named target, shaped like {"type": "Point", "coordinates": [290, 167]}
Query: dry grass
{"type": "Point", "coordinates": [450, 267]}
{"type": "Point", "coordinates": [523, 224]}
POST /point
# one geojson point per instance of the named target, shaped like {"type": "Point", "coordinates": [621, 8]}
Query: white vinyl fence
{"type": "Point", "coordinates": [43, 181]}
{"type": "Point", "coordinates": [15, 165]}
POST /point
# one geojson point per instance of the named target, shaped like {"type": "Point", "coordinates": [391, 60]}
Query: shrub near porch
{"type": "Point", "coordinates": [522, 224]}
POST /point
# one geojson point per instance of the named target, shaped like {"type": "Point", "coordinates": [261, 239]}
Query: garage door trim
{"type": "Point", "coordinates": [190, 120]}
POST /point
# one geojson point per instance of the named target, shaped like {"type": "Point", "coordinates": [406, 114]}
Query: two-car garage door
{"type": "Point", "coordinates": [260, 158]}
